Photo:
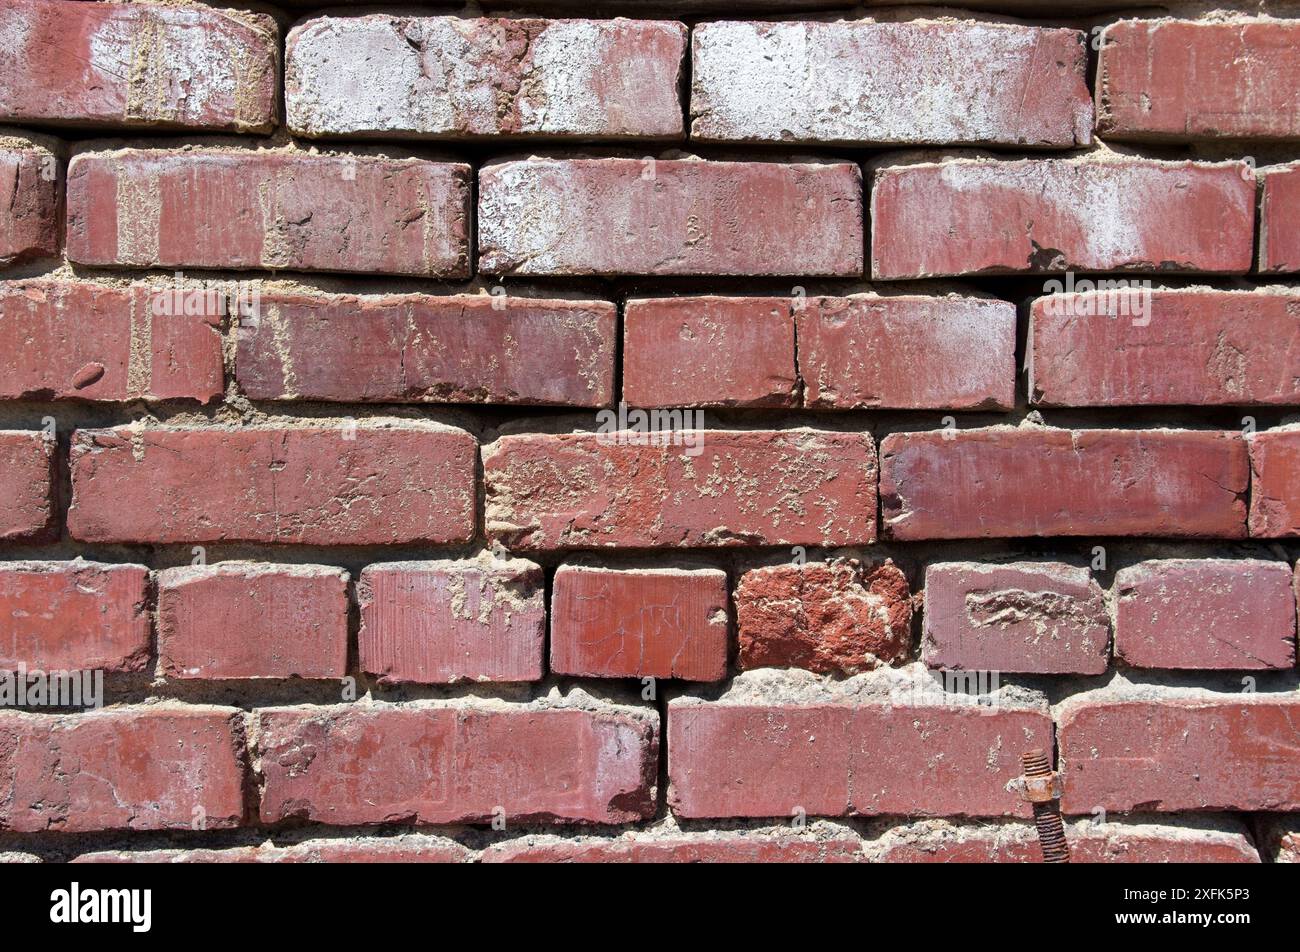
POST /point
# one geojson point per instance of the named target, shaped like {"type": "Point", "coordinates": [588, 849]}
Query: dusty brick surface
{"type": "Point", "coordinates": [26, 484]}
{"type": "Point", "coordinates": [31, 179]}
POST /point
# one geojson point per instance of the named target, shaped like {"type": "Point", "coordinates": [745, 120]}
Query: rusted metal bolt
{"type": "Point", "coordinates": [1042, 788]}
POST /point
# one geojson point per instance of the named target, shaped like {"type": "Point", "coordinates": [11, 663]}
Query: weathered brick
{"type": "Point", "coordinates": [907, 352]}
{"type": "Point", "coordinates": [253, 620]}
{"type": "Point", "coordinates": [79, 340]}
{"type": "Point", "coordinates": [458, 762]}
{"type": "Point", "coordinates": [161, 767]}
{"type": "Point", "coordinates": [136, 65]}
{"type": "Point", "coordinates": [1279, 837]}
{"type": "Point", "coordinates": [851, 749]}
{"type": "Point", "coordinates": [447, 77]}
{"type": "Point", "coordinates": [1171, 749]}
{"type": "Point", "coordinates": [382, 483]}
{"type": "Point", "coordinates": [1205, 613]}
{"type": "Point", "coordinates": [1139, 347]}
{"type": "Point", "coordinates": [281, 209]}
{"type": "Point", "coordinates": [441, 622]}
{"type": "Point", "coordinates": [1114, 841]}
{"type": "Point", "coordinates": [864, 83]}
{"type": "Point", "coordinates": [611, 216]}
{"type": "Point", "coordinates": [31, 180]}
{"type": "Point", "coordinates": [418, 348]}
{"type": "Point", "coordinates": [1275, 483]}
{"type": "Point", "coordinates": [658, 622]}
{"type": "Point", "coordinates": [1279, 208]}
{"type": "Point", "coordinates": [1031, 617]}
{"type": "Point", "coordinates": [1001, 482]}
{"type": "Point", "coordinates": [709, 352]}
{"type": "Point", "coordinates": [407, 848]}
{"type": "Point", "coordinates": [703, 488]}
{"type": "Point", "coordinates": [73, 616]}
{"type": "Point", "coordinates": [768, 846]}
{"type": "Point", "coordinates": [832, 617]}
{"type": "Point", "coordinates": [997, 216]}
{"type": "Point", "coordinates": [26, 484]}
{"type": "Point", "coordinates": [1175, 80]}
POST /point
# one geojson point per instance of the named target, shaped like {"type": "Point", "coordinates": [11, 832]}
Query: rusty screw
{"type": "Point", "coordinates": [1041, 788]}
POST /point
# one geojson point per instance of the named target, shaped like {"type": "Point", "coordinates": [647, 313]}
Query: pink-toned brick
{"type": "Point", "coordinates": [1206, 613]}
{"type": "Point", "coordinates": [1175, 80]}
{"type": "Point", "coordinates": [866, 83]}
{"type": "Point", "coordinates": [1169, 749]}
{"type": "Point", "coordinates": [1030, 617]}
{"type": "Point", "coordinates": [661, 622]}
{"type": "Point", "coordinates": [26, 484]}
{"type": "Point", "coordinates": [695, 488]}
{"type": "Point", "coordinates": [837, 617]}
{"type": "Point", "coordinates": [1275, 483]}
{"type": "Point", "coordinates": [273, 209]}
{"type": "Point", "coordinates": [30, 207]}
{"type": "Point", "coordinates": [79, 340]}
{"type": "Point", "coordinates": [775, 846]}
{"type": "Point", "coordinates": [845, 751]}
{"type": "Point", "coordinates": [907, 352]}
{"type": "Point", "coordinates": [999, 216]}
{"type": "Point", "coordinates": [456, 78]}
{"type": "Point", "coordinates": [1140, 347]}
{"type": "Point", "coordinates": [382, 483]}
{"type": "Point", "coordinates": [138, 65]}
{"type": "Point", "coordinates": [417, 348]}
{"type": "Point", "coordinates": [1001, 482]}
{"type": "Point", "coordinates": [161, 767]}
{"type": "Point", "coordinates": [441, 622]}
{"type": "Point", "coordinates": [610, 216]}
{"type": "Point", "coordinates": [1279, 209]}
{"type": "Point", "coordinates": [458, 762]}
{"type": "Point", "coordinates": [73, 616]}
{"type": "Point", "coordinates": [709, 352]}
{"type": "Point", "coordinates": [240, 620]}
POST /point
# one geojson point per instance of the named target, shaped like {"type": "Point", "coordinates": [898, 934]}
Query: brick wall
{"type": "Point", "coordinates": [738, 432]}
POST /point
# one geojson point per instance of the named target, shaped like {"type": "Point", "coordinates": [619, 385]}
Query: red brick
{"type": "Point", "coordinates": [709, 352]}
{"type": "Point", "coordinates": [253, 620]}
{"type": "Point", "coordinates": [409, 848]}
{"type": "Point", "coordinates": [1116, 841]}
{"type": "Point", "coordinates": [161, 767]}
{"type": "Point", "coordinates": [907, 352]}
{"type": "Point", "coordinates": [26, 484]}
{"type": "Point", "coordinates": [844, 751]}
{"type": "Point", "coordinates": [1169, 749]}
{"type": "Point", "coordinates": [1004, 482]}
{"type": "Point", "coordinates": [30, 210]}
{"type": "Point", "coordinates": [458, 762]}
{"type": "Point", "coordinates": [864, 83]}
{"type": "Point", "coordinates": [375, 484]}
{"type": "Point", "coordinates": [442, 622]}
{"type": "Point", "coordinates": [73, 616]}
{"type": "Point", "coordinates": [1280, 837]}
{"type": "Point", "coordinates": [240, 208]}
{"type": "Point", "coordinates": [776, 846]}
{"type": "Point", "coordinates": [1279, 208]}
{"type": "Point", "coordinates": [134, 65]}
{"type": "Point", "coordinates": [1275, 483]}
{"type": "Point", "coordinates": [639, 623]}
{"type": "Point", "coordinates": [1140, 347]}
{"type": "Point", "coordinates": [447, 77]}
{"type": "Point", "coordinates": [79, 340]}
{"type": "Point", "coordinates": [417, 348]}
{"type": "Point", "coordinates": [742, 487]}
{"type": "Point", "coordinates": [1172, 80]}
{"type": "Point", "coordinates": [1030, 617]}
{"type": "Point", "coordinates": [1238, 614]}
{"type": "Point", "coordinates": [612, 216]}
{"type": "Point", "coordinates": [997, 216]}
{"type": "Point", "coordinates": [837, 617]}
